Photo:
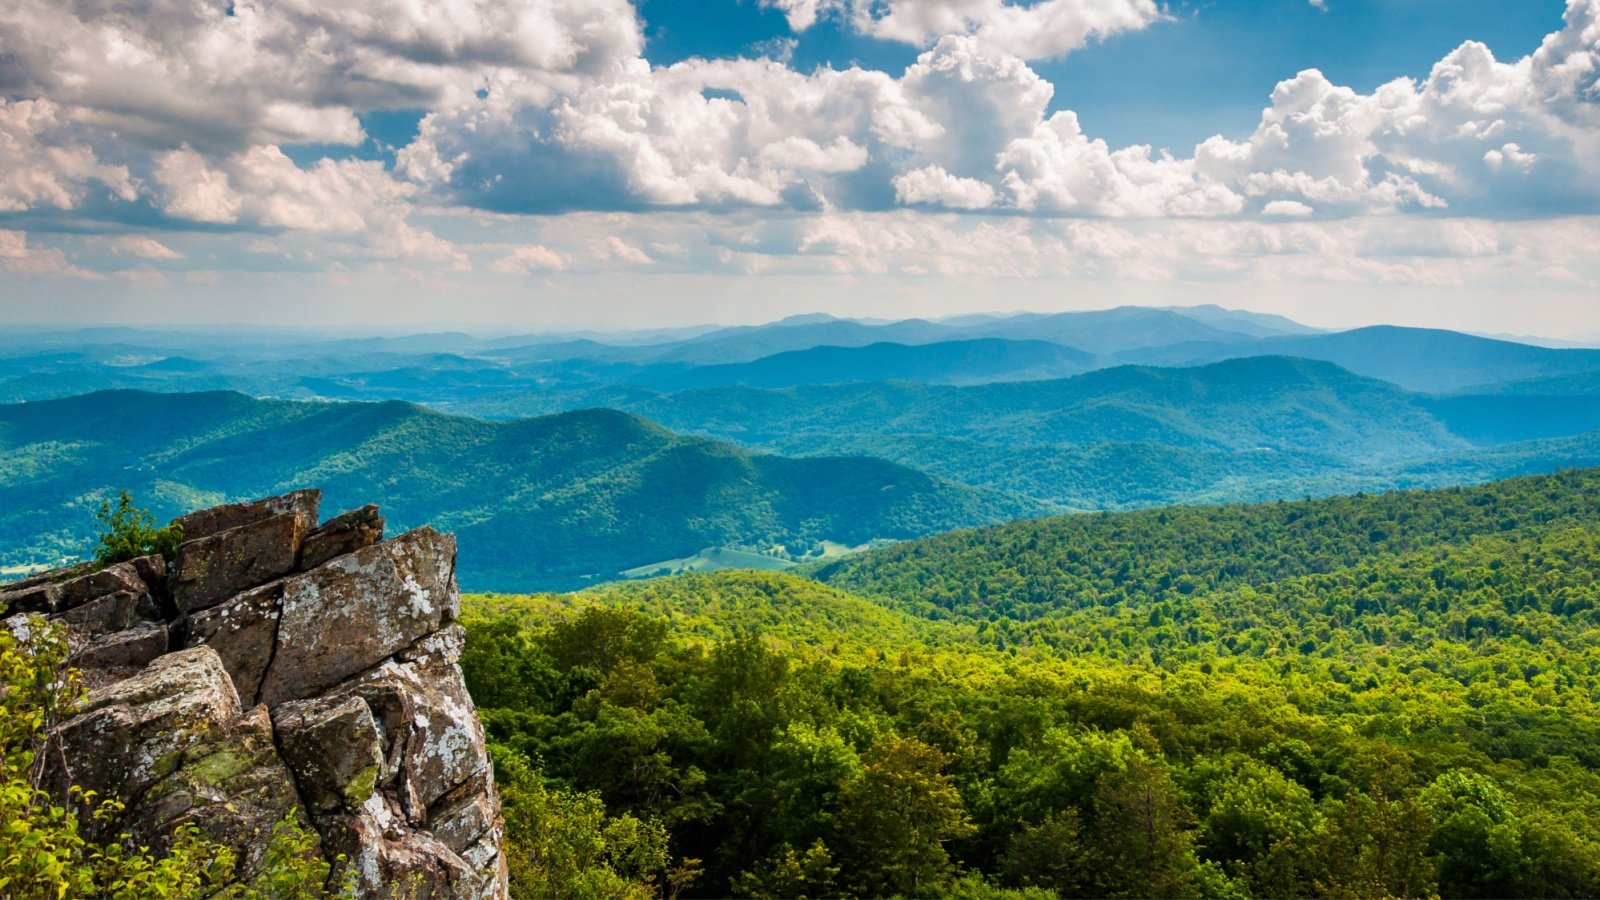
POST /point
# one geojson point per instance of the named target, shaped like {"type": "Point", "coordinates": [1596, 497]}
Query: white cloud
{"type": "Point", "coordinates": [1509, 155]}
{"type": "Point", "coordinates": [13, 244]}
{"type": "Point", "coordinates": [137, 245]}
{"type": "Point", "coordinates": [1286, 209]}
{"type": "Point", "coordinates": [261, 187]}
{"type": "Point", "coordinates": [18, 258]}
{"type": "Point", "coordinates": [548, 107]}
{"type": "Point", "coordinates": [653, 137]}
{"type": "Point", "coordinates": [932, 185]}
{"type": "Point", "coordinates": [1038, 30]}
{"type": "Point", "coordinates": [531, 258]}
{"type": "Point", "coordinates": [1059, 169]}
{"type": "Point", "coordinates": [614, 248]}
{"type": "Point", "coordinates": [966, 127]}
{"type": "Point", "coordinates": [800, 154]}
{"type": "Point", "coordinates": [1476, 135]}
{"type": "Point", "coordinates": [220, 75]}
{"type": "Point", "coordinates": [194, 190]}
{"type": "Point", "coordinates": [45, 161]}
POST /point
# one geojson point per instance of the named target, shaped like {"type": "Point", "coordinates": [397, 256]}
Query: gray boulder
{"type": "Point", "coordinates": [357, 610]}
{"type": "Point", "coordinates": [344, 533]}
{"type": "Point", "coordinates": [318, 682]}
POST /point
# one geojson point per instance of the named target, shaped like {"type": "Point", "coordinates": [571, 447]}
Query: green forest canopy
{"type": "Point", "coordinates": [1381, 695]}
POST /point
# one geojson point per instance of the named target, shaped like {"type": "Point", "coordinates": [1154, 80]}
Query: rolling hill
{"type": "Point", "coordinates": [1066, 565]}
{"type": "Point", "coordinates": [1421, 359]}
{"type": "Point", "coordinates": [945, 362]}
{"type": "Point", "coordinates": [1113, 331]}
{"type": "Point", "coordinates": [1245, 404]}
{"type": "Point", "coordinates": [558, 501]}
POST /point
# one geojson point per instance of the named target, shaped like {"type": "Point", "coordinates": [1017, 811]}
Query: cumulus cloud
{"type": "Point", "coordinates": [18, 257]}
{"type": "Point", "coordinates": [933, 185]}
{"type": "Point", "coordinates": [138, 245]}
{"type": "Point", "coordinates": [669, 137]}
{"type": "Point", "coordinates": [733, 133]}
{"type": "Point", "coordinates": [1058, 168]}
{"type": "Point", "coordinates": [45, 161]}
{"type": "Point", "coordinates": [615, 248]}
{"type": "Point", "coordinates": [184, 107]}
{"type": "Point", "coordinates": [966, 127]}
{"type": "Point", "coordinates": [1286, 208]}
{"type": "Point", "coordinates": [1477, 135]}
{"type": "Point", "coordinates": [1039, 30]}
{"type": "Point", "coordinates": [531, 258]}
{"type": "Point", "coordinates": [220, 74]}
{"type": "Point", "coordinates": [261, 187]}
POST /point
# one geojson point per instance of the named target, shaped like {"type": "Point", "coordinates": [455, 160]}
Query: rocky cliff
{"type": "Point", "coordinates": [281, 668]}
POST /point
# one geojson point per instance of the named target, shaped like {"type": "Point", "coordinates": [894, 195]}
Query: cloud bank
{"type": "Point", "coordinates": [246, 122]}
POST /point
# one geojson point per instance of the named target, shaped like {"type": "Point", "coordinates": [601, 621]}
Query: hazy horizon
{"type": "Point", "coordinates": [689, 327]}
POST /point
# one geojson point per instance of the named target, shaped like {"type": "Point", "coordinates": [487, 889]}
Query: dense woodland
{"type": "Point", "coordinates": [1367, 696]}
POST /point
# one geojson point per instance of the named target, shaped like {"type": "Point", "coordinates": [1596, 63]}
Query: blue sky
{"type": "Point", "coordinates": [397, 164]}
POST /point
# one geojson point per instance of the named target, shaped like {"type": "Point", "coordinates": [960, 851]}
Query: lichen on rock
{"type": "Point", "coordinates": [281, 669]}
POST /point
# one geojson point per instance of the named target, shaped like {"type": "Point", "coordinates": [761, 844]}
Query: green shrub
{"type": "Point", "coordinates": [128, 532]}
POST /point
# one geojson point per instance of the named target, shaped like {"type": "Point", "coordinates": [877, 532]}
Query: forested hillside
{"type": "Point", "coordinates": [1366, 696]}
{"type": "Point", "coordinates": [949, 362]}
{"type": "Point", "coordinates": [552, 502]}
{"type": "Point", "coordinates": [1111, 409]}
{"type": "Point", "coordinates": [1422, 359]}
{"type": "Point", "coordinates": [1269, 402]}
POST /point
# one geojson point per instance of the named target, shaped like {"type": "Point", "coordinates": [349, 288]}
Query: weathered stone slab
{"type": "Point", "coordinates": [110, 613]}
{"type": "Point", "coordinates": [120, 578]}
{"type": "Point", "coordinates": [358, 610]}
{"type": "Point", "coordinates": [388, 861]}
{"type": "Point", "coordinates": [243, 630]}
{"type": "Point", "coordinates": [173, 744]}
{"type": "Point", "coordinates": [432, 734]}
{"type": "Point", "coordinates": [49, 576]}
{"type": "Point", "coordinates": [444, 645]}
{"type": "Point", "coordinates": [344, 533]}
{"type": "Point", "coordinates": [132, 734]}
{"type": "Point", "coordinates": [213, 568]}
{"type": "Point", "coordinates": [152, 571]}
{"type": "Point", "coordinates": [43, 598]}
{"type": "Point", "coordinates": [65, 588]}
{"type": "Point", "coordinates": [120, 655]}
{"type": "Point", "coordinates": [467, 820]}
{"type": "Point", "coordinates": [207, 522]}
{"type": "Point", "coordinates": [334, 750]}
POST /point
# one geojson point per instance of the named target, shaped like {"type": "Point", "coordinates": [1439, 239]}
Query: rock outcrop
{"type": "Point", "coordinates": [279, 669]}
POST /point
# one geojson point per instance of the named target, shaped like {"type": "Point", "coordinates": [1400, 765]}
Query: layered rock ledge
{"type": "Point", "coordinates": [278, 668]}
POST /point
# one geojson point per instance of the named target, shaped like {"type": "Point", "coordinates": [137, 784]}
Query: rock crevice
{"type": "Point", "coordinates": [281, 669]}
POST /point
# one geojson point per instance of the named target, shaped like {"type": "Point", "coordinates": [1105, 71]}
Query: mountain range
{"type": "Point", "coordinates": [520, 375]}
{"type": "Point", "coordinates": [558, 501]}
{"type": "Point", "coordinates": [576, 458]}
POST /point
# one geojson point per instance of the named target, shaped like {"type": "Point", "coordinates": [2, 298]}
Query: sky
{"type": "Point", "coordinates": [403, 165]}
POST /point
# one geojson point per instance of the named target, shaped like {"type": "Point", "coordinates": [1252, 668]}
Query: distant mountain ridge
{"type": "Point", "coordinates": [510, 377]}
{"type": "Point", "coordinates": [945, 362]}
{"type": "Point", "coordinates": [1423, 359]}
{"type": "Point", "coordinates": [1106, 409]}
{"type": "Point", "coordinates": [558, 501]}
{"type": "Point", "coordinates": [1240, 404]}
